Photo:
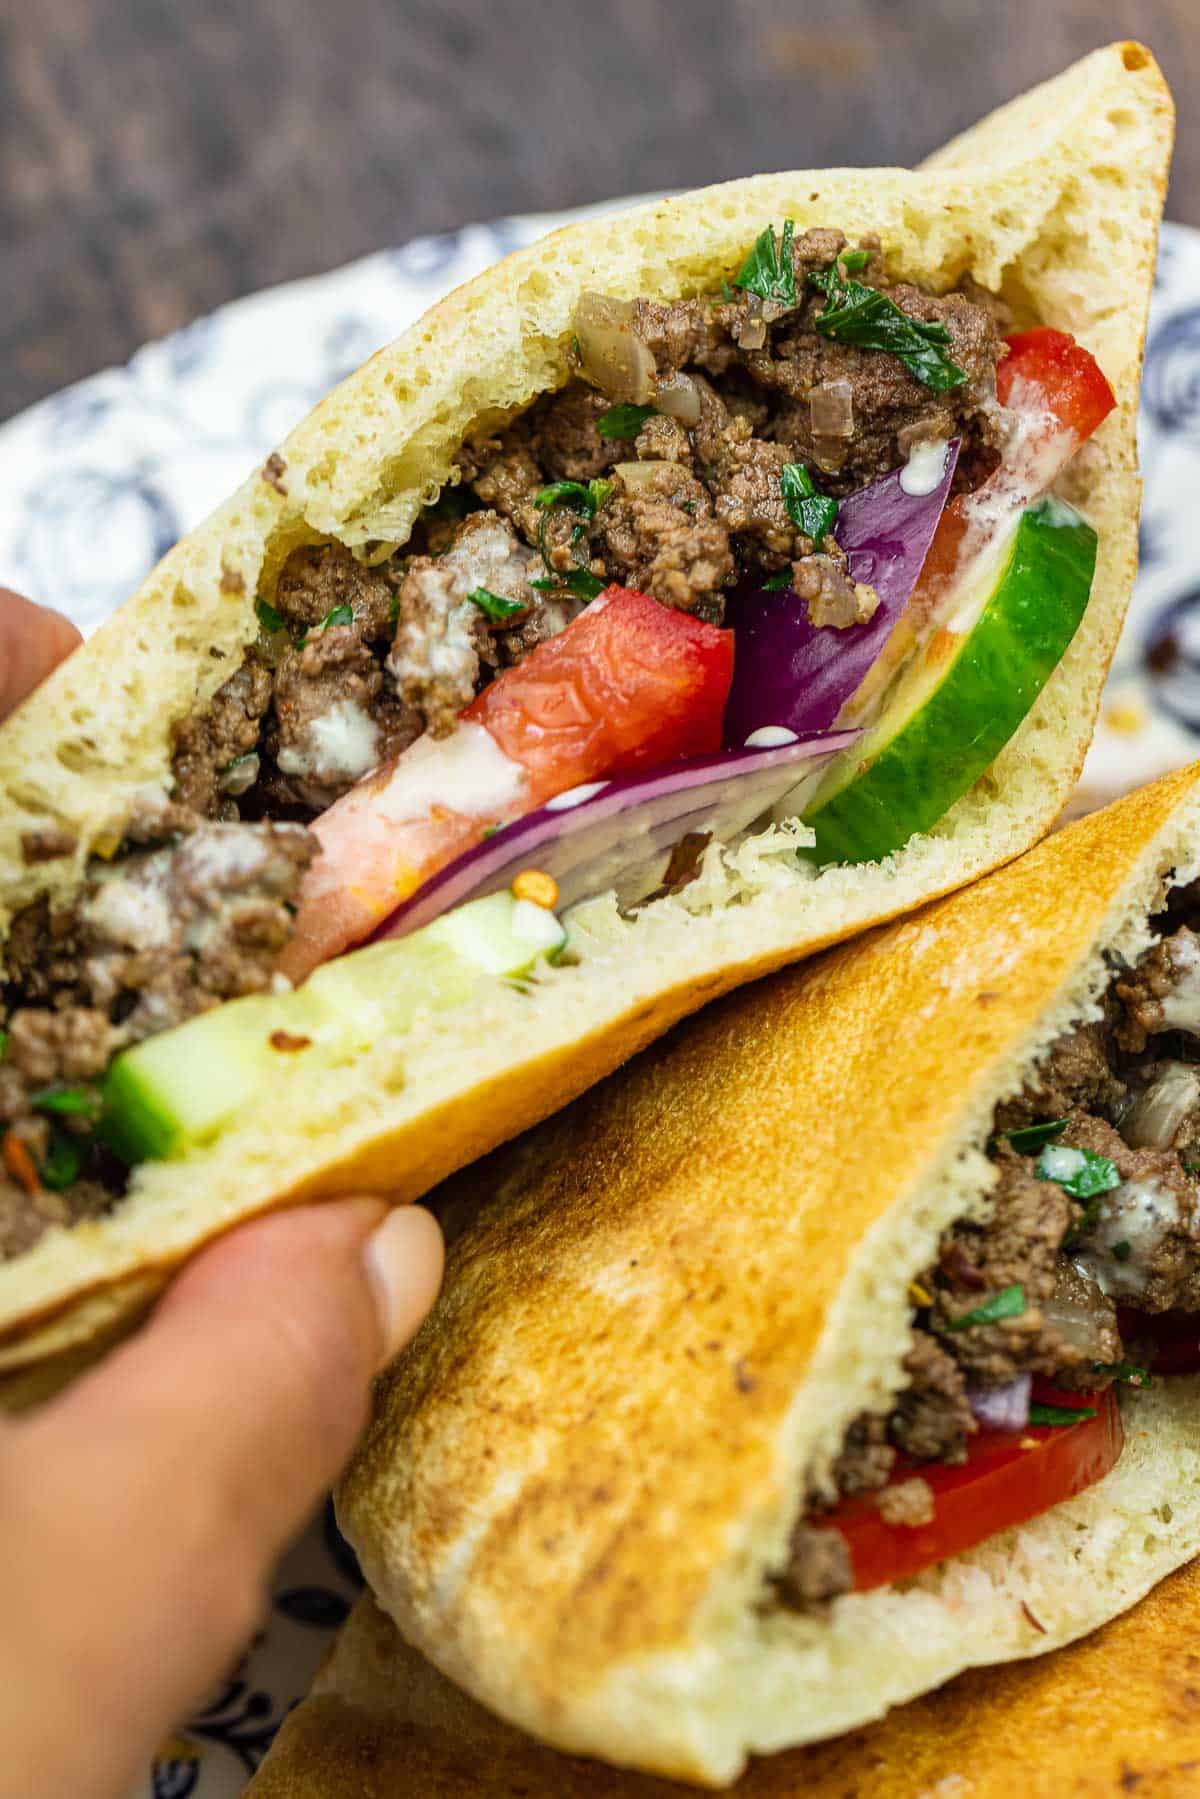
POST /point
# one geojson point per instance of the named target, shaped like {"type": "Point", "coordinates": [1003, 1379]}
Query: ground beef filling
{"type": "Point", "coordinates": [1128, 1088]}
{"type": "Point", "coordinates": [356, 658]}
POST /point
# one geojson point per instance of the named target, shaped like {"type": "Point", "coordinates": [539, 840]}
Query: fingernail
{"type": "Point", "coordinates": [403, 1258]}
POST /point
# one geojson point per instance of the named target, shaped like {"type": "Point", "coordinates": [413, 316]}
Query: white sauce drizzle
{"type": "Point", "coordinates": [1181, 1007]}
{"type": "Point", "coordinates": [466, 772]}
{"type": "Point", "coordinates": [770, 737]}
{"type": "Point", "coordinates": [924, 468]}
{"type": "Point", "coordinates": [342, 743]}
{"type": "Point", "coordinates": [575, 796]}
{"type": "Point", "coordinates": [131, 912]}
{"type": "Point", "coordinates": [1137, 1213]}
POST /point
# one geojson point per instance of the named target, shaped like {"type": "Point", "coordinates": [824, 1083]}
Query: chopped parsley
{"type": "Point", "coordinates": [1121, 1251]}
{"type": "Point", "coordinates": [267, 616]}
{"type": "Point", "coordinates": [339, 615]}
{"type": "Point", "coordinates": [768, 270]}
{"type": "Point", "coordinates": [853, 261]}
{"type": "Point", "coordinates": [854, 314]}
{"type": "Point", "coordinates": [72, 1102]}
{"type": "Point", "coordinates": [62, 1161]}
{"type": "Point", "coordinates": [494, 605]}
{"type": "Point", "coordinates": [1127, 1371]}
{"type": "Point", "coordinates": [623, 421]}
{"type": "Point", "coordinates": [777, 583]}
{"type": "Point", "coordinates": [394, 609]}
{"type": "Point", "coordinates": [1031, 1136]}
{"type": "Point", "coordinates": [1008, 1303]}
{"type": "Point", "coordinates": [581, 582]}
{"type": "Point", "coordinates": [1080, 1172]}
{"type": "Point", "coordinates": [588, 501]}
{"type": "Point", "coordinates": [1191, 1167]}
{"type": "Point", "coordinates": [3, 1044]}
{"type": "Point", "coordinates": [574, 494]}
{"type": "Point", "coordinates": [811, 512]}
{"type": "Point", "coordinates": [1060, 1414]}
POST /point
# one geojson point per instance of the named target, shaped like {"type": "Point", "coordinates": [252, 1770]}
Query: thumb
{"type": "Point", "coordinates": [161, 1487]}
{"type": "Point", "coordinates": [33, 640]}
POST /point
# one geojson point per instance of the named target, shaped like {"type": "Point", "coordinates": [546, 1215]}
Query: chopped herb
{"type": "Point", "coordinates": [584, 584]}
{"type": "Point", "coordinates": [1080, 1172]}
{"type": "Point", "coordinates": [340, 615]}
{"type": "Point", "coordinates": [1031, 1136]}
{"type": "Point", "coordinates": [1009, 1303]}
{"type": "Point", "coordinates": [546, 583]}
{"type": "Point", "coordinates": [689, 506]}
{"type": "Point", "coordinates": [812, 512]}
{"type": "Point", "coordinates": [854, 260]}
{"type": "Point", "coordinates": [777, 583]}
{"type": "Point", "coordinates": [267, 616]}
{"type": "Point", "coordinates": [574, 494]}
{"type": "Point", "coordinates": [726, 291]}
{"type": "Point", "coordinates": [623, 421]}
{"type": "Point", "coordinates": [491, 831]}
{"type": "Point", "coordinates": [494, 605]}
{"type": "Point", "coordinates": [1128, 1371]}
{"type": "Point", "coordinates": [854, 314]}
{"type": "Point", "coordinates": [394, 609]}
{"type": "Point", "coordinates": [1060, 1414]}
{"type": "Point", "coordinates": [67, 1101]}
{"type": "Point", "coordinates": [1191, 1167]}
{"type": "Point", "coordinates": [768, 270]}
{"type": "Point", "coordinates": [576, 348]}
{"type": "Point", "coordinates": [62, 1161]}
{"type": "Point", "coordinates": [3, 1043]}
{"type": "Point", "coordinates": [1121, 1251]}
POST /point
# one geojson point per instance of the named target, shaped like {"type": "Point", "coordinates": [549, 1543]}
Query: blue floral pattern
{"type": "Point", "coordinates": [96, 482]}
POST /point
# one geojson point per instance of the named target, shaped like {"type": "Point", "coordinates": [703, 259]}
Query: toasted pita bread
{"type": "Point", "coordinates": [1116, 1713]}
{"type": "Point", "coordinates": [581, 1478]}
{"type": "Point", "coordinates": [1054, 202]}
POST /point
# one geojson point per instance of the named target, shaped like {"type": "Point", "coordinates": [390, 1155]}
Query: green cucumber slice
{"type": "Point", "coordinates": [179, 1088]}
{"type": "Point", "coordinates": [950, 715]}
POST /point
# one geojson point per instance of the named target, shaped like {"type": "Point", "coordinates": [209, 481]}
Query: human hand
{"type": "Point", "coordinates": [141, 1511]}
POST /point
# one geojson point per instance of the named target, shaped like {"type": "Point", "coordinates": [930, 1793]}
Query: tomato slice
{"type": "Point", "coordinates": [628, 684]}
{"type": "Point", "coordinates": [1066, 377]}
{"type": "Point", "coordinates": [1008, 1477]}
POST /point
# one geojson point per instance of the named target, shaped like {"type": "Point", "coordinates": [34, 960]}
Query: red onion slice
{"type": "Point", "coordinates": [619, 834]}
{"type": "Point", "coordinates": [1002, 1408]}
{"type": "Point", "coordinates": [790, 672]}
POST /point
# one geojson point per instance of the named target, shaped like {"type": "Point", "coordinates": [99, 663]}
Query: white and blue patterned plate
{"type": "Point", "coordinates": [99, 480]}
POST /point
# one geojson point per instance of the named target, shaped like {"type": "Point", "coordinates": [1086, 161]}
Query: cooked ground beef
{"type": "Point", "coordinates": [1106, 1094]}
{"type": "Point", "coordinates": [210, 741]}
{"type": "Point", "coordinates": [332, 719]}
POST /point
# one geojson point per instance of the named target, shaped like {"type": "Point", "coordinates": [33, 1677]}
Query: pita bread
{"type": "Point", "coordinates": [579, 1481]}
{"type": "Point", "coordinates": [1116, 1713]}
{"type": "Point", "coordinates": [1054, 202]}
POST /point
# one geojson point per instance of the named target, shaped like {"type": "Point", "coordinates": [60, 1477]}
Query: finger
{"type": "Point", "coordinates": [33, 641]}
{"type": "Point", "coordinates": [163, 1485]}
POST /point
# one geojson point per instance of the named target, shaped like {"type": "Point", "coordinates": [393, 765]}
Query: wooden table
{"type": "Point", "coordinates": [161, 156]}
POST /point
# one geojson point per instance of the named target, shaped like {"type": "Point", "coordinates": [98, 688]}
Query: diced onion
{"type": "Point", "coordinates": [612, 353]}
{"type": "Point", "coordinates": [1153, 1120]}
{"type": "Point", "coordinates": [831, 409]}
{"type": "Point", "coordinates": [240, 775]}
{"type": "Point", "coordinates": [679, 397]}
{"type": "Point", "coordinates": [751, 331]}
{"type": "Point", "coordinates": [1002, 1408]}
{"type": "Point", "coordinates": [641, 474]}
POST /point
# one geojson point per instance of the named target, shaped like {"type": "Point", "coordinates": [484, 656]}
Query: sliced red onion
{"type": "Point", "coordinates": [794, 673]}
{"type": "Point", "coordinates": [620, 834]}
{"type": "Point", "coordinates": [1002, 1408]}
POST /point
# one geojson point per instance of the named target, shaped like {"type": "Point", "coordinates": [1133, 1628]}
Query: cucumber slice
{"type": "Point", "coordinates": [964, 695]}
{"type": "Point", "coordinates": [179, 1088]}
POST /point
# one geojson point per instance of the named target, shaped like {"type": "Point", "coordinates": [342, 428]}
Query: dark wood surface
{"type": "Point", "coordinates": [161, 156]}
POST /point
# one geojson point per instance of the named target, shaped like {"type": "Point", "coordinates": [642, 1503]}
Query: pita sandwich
{"type": "Point", "coordinates": [272, 752]}
{"type": "Point", "coordinates": [838, 1345]}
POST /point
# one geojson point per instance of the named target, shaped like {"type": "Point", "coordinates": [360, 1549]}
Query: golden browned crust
{"type": "Point", "coordinates": [1118, 1713]}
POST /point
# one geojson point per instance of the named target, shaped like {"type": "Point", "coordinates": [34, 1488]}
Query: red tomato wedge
{"type": "Point", "coordinates": [628, 684]}
{"type": "Point", "coordinates": [1066, 377]}
{"type": "Point", "coordinates": [1008, 1477]}
{"type": "Point", "coordinates": [1060, 389]}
